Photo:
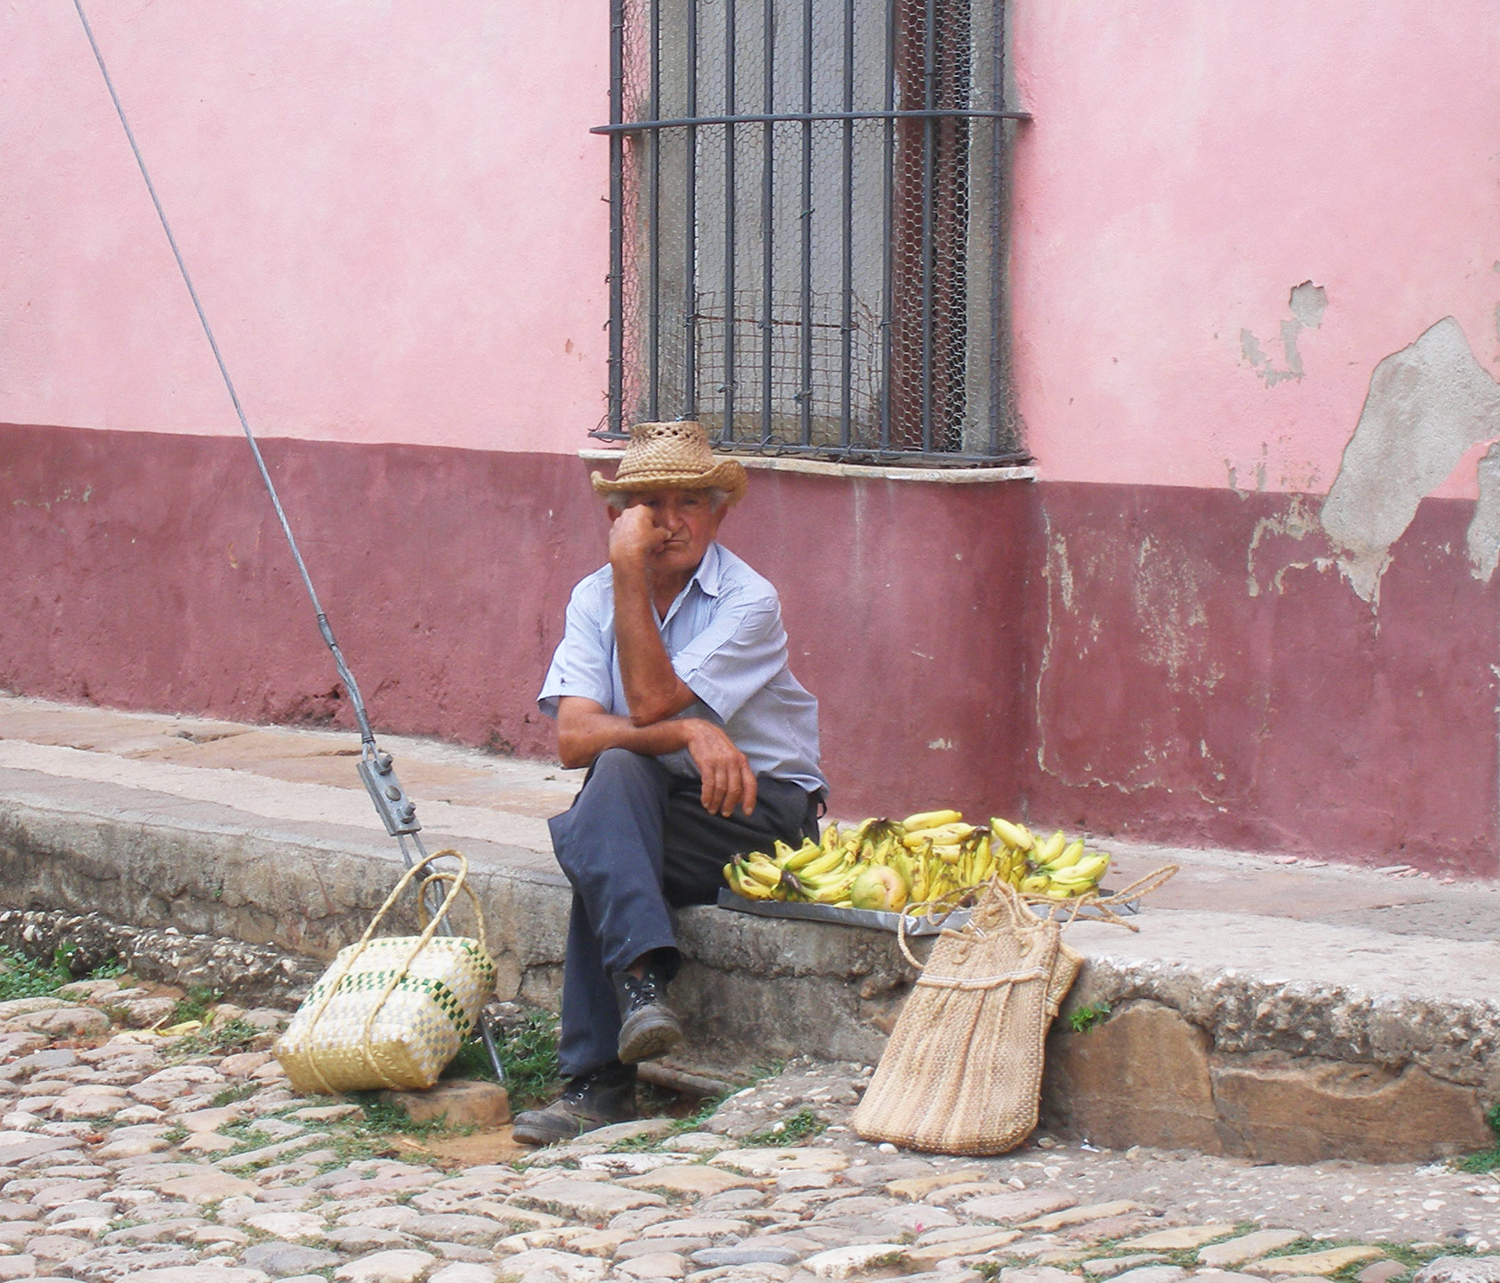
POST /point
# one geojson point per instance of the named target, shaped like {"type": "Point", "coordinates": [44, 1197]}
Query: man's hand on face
{"type": "Point", "coordinates": [634, 536]}
{"type": "Point", "coordinates": [728, 781]}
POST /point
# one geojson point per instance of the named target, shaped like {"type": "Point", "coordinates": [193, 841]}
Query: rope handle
{"type": "Point", "coordinates": [456, 879]}
{"type": "Point", "coordinates": [1073, 906]}
{"type": "Point", "coordinates": [459, 884]}
{"type": "Point", "coordinates": [1142, 886]}
{"type": "Point", "coordinates": [948, 903]}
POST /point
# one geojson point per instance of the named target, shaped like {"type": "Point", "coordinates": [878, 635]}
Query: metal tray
{"type": "Point", "coordinates": [884, 921]}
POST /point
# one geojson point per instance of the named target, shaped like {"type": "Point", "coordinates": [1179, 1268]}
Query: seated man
{"type": "Point", "coordinates": [671, 684]}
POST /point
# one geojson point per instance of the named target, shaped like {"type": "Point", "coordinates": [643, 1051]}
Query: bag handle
{"type": "Point", "coordinates": [1072, 907]}
{"type": "Point", "coordinates": [949, 904]}
{"type": "Point", "coordinates": [1142, 886]}
{"type": "Point", "coordinates": [457, 882]}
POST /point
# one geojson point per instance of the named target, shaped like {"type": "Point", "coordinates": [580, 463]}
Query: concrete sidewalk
{"type": "Point", "coordinates": [1250, 978]}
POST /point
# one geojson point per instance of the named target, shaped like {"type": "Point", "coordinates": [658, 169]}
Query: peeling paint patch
{"type": "Point", "coordinates": [1295, 524]}
{"type": "Point", "coordinates": [940, 744]}
{"type": "Point", "coordinates": [1064, 571]}
{"type": "Point", "coordinates": [1484, 526]}
{"type": "Point", "coordinates": [1173, 622]}
{"type": "Point", "coordinates": [1427, 404]}
{"type": "Point", "coordinates": [1307, 302]}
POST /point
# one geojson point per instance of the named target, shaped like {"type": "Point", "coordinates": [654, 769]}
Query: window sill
{"type": "Point", "coordinates": [820, 468]}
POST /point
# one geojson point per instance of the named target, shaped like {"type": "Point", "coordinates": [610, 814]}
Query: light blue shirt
{"type": "Point", "coordinates": [726, 642]}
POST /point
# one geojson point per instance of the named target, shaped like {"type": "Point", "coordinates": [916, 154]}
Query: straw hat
{"type": "Point", "coordinates": [672, 456]}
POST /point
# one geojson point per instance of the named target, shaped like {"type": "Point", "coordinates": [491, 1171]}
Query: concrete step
{"type": "Point", "coordinates": [1277, 1009]}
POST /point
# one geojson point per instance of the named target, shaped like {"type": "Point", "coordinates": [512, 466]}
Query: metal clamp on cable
{"type": "Point", "coordinates": [397, 811]}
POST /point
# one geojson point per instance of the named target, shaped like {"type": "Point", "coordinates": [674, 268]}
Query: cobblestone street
{"type": "Point", "coordinates": [128, 1154]}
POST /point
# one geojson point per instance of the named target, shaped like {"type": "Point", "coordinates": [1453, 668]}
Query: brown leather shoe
{"type": "Point", "coordinates": [588, 1101]}
{"type": "Point", "coordinates": [648, 1027]}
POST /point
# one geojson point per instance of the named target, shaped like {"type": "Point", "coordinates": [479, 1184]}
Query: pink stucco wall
{"type": "Point", "coordinates": [395, 216]}
{"type": "Point", "coordinates": [392, 213]}
{"type": "Point", "coordinates": [1188, 165]}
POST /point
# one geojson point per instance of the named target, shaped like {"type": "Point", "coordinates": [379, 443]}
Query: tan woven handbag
{"type": "Point", "coordinates": [962, 1072]}
{"type": "Point", "coordinates": [392, 1012]}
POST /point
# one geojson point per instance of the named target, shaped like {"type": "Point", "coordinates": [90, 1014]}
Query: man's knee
{"type": "Point", "coordinates": [618, 769]}
{"type": "Point", "coordinates": [622, 801]}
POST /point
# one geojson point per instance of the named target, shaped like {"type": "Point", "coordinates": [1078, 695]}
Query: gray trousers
{"type": "Point", "coordinates": [635, 841]}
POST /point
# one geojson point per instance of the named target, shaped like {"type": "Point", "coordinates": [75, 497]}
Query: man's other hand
{"type": "Point", "coordinates": [728, 781]}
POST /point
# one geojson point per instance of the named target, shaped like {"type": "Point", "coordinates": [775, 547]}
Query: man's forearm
{"type": "Point", "coordinates": [589, 734]}
{"type": "Point", "coordinates": [653, 691]}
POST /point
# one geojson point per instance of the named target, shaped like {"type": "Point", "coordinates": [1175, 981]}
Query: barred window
{"type": "Point", "coordinates": [806, 225]}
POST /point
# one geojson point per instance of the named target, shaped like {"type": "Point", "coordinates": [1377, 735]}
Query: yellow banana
{"type": "Point", "coordinates": [1070, 856]}
{"type": "Point", "coordinates": [858, 833]}
{"type": "Point", "coordinates": [1013, 835]}
{"type": "Point", "coordinates": [982, 862]}
{"type": "Point", "coordinates": [948, 853]}
{"type": "Point", "coordinates": [1049, 850]}
{"type": "Point", "coordinates": [1037, 884]}
{"type": "Point", "coordinates": [1086, 872]}
{"type": "Point", "coordinates": [831, 840]}
{"type": "Point", "coordinates": [759, 868]}
{"type": "Point", "coordinates": [802, 856]}
{"type": "Point", "coordinates": [831, 891]}
{"type": "Point", "coordinates": [930, 820]}
{"type": "Point", "coordinates": [921, 874]}
{"type": "Point", "coordinates": [748, 887]}
{"type": "Point", "coordinates": [822, 862]}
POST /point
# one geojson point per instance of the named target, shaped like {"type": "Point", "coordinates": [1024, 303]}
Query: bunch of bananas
{"type": "Point", "coordinates": [1055, 868]}
{"type": "Point", "coordinates": [929, 858]}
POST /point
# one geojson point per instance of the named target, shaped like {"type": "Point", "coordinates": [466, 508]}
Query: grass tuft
{"type": "Point", "coordinates": [195, 1006]}
{"type": "Point", "coordinates": [793, 1130]}
{"type": "Point", "coordinates": [528, 1054]}
{"type": "Point", "coordinates": [23, 977]}
{"type": "Point", "coordinates": [1486, 1160]}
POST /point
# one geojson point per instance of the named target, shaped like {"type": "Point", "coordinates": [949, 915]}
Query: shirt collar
{"type": "Point", "coordinates": [707, 577]}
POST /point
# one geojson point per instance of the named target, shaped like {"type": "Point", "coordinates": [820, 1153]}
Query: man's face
{"type": "Point", "coordinates": [689, 521]}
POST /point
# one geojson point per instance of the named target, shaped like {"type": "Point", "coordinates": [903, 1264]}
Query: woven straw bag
{"type": "Point", "coordinates": [962, 1072]}
{"type": "Point", "coordinates": [392, 1012]}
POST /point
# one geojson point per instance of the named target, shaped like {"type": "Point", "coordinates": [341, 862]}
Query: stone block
{"type": "Point", "coordinates": [922, 1186]}
{"type": "Point", "coordinates": [1247, 1247]}
{"type": "Point", "coordinates": [1278, 1109]}
{"type": "Point", "coordinates": [1017, 1206]}
{"type": "Point", "coordinates": [974, 1241]}
{"type": "Point", "coordinates": [543, 1262]}
{"type": "Point", "coordinates": [691, 1179]}
{"type": "Point", "coordinates": [847, 1262]}
{"type": "Point", "coordinates": [593, 1201]}
{"type": "Point", "coordinates": [1460, 1269]}
{"type": "Point", "coordinates": [386, 1267]}
{"type": "Point", "coordinates": [459, 1102]}
{"type": "Point", "coordinates": [1068, 1216]}
{"type": "Point", "coordinates": [1314, 1264]}
{"type": "Point", "coordinates": [1180, 1237]}
{"type": "Point", "coordinates": [1139, 1078]}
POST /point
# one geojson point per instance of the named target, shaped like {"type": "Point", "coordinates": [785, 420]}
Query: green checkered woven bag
{"type": "Point", "coordinates": [392, 1012]}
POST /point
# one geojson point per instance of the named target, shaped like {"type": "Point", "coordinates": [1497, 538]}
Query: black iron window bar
{"type": "Point", "coordinates": [914, 358]}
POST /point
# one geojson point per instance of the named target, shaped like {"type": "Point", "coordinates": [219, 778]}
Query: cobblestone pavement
{"type": "Point", "coordinates": [127, 1154]}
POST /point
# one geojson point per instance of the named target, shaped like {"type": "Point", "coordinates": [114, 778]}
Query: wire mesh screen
{"type": "Point", "coordinates": [806, 222]}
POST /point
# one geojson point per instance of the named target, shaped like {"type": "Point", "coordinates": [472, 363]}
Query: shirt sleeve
{"type": "Point", "coordinates": [583, 663]}
{"type": "Point", "coordinates": [740, 651]}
